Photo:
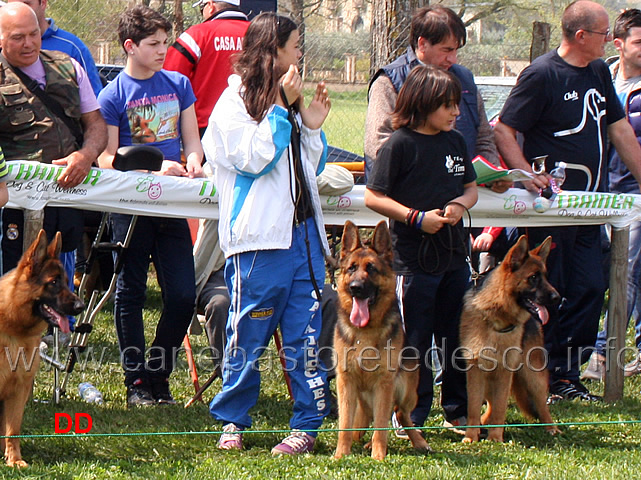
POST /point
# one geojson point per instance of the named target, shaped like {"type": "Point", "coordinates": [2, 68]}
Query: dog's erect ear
{"type": "Point", "coordinates": [35, 255]}
{"type": "Point", "coordinates": [543, 250]}
{"type": "Point", "coordinates": [517, 254]}
{"type": "Point", "coordinates": [351, 240]}
{"type": "Point", "coordinates": [382, 242]}
{"type": "Point", "coordinates": [54, 248]}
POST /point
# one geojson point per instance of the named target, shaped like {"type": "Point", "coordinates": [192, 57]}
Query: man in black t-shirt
{"type": "Point", "coordinates": [565, 105]}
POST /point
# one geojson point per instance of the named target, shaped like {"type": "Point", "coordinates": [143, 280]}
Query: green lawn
{"type": "Point", "coordinates": [583, 451]}
{"type": "Point", "coordinates": [345, 124]}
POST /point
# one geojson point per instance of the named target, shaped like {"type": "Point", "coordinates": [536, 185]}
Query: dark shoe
{"type": "Point", "coordinates": [571, 390]}
{"type": "Point", "coordinates": [160, 391]}
{"type": "Point", "coordinates": [139, 394]}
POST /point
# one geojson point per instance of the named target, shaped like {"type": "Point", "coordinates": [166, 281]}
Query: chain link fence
{"type": "Point", "coordinates": [337, 50]}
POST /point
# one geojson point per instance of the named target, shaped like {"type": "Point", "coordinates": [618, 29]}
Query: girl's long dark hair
{"type": "Point", "coordinates": [256, 63]}
{"type": "Point", "coordinates": [426, 88]}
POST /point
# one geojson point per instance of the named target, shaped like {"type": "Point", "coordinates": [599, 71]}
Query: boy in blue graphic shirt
{"type": "Point", "coordinates": [147, 105]}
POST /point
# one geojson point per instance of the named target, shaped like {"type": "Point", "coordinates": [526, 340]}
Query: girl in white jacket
{"type": "Point", "coordinates": [266, 148]}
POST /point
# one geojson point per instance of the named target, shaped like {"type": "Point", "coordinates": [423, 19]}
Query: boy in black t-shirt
{"type": "Point", "coordinates": [423, 180]}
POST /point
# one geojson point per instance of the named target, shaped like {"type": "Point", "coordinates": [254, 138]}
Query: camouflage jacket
{"type": "Point", "coordinates": [28, 130]}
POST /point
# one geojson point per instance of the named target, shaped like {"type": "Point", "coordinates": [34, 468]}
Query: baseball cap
{"type": "Point", "coordinates": [200, 3]}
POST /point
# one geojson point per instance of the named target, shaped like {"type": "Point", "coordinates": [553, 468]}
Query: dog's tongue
{"type": "Point", "coordinates": [360, 312]}
{"type": "Point", "coordinates": [61, 320]}
{"type": "Point", "coordinates": [544, 315]}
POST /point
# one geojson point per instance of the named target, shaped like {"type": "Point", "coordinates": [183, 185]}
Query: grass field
{"type": "Point", "coordinates": [608, 451]}
{"type": "Point", "coordinates": [345, 124]}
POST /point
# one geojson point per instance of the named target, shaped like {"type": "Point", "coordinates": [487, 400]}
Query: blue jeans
{"type": "Point", "coordinates": [633, 291]}
{"type": "Point", "coordinates": [431, 306]}
{"type": "Point", "coordinates": [575, 270]}
{"type": "Point", "coordinates": [166, 242]}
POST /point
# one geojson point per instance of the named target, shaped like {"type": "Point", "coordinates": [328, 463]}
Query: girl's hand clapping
{"type": "Point", "coordinates": [315, 114]}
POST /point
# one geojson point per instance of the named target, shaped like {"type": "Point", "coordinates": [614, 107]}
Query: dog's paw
{"type": "Point", "coordinates": [553, 430]}
{"type": "Point", "coordinates": [424, 448]}
{"type": "Point", "coordinates": [17, 463]}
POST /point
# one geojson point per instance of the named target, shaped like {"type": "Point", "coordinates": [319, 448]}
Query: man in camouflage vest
{"type": "Point", "coordinates": [29, 130]}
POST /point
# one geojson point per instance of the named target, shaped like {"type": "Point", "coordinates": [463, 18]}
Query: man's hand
{"type": "Point", "coordinates": [501, 185]}
{"type": "Point", "coordinates": [78, 166]}
{"type": "Point", "coordinates": [79, 163]}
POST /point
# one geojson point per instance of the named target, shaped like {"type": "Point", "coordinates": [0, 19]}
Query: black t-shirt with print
{"type": "Point", "coordinates": [423, 172]}
{"type": "Point", "coordinates": [563, 111]}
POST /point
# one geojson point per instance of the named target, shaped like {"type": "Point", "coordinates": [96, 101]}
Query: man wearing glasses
{"type": "Point", "coordinates": [565, 105]}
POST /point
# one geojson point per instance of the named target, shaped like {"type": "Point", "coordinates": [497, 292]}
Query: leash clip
{"type": "Point", "coordinates": [538, 164]}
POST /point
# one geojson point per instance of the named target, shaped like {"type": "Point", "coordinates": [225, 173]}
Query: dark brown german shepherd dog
{"type": "Point", "coordinates": [372, 379]}
{"type": "Point", "coordinates": [32, 296]}
{"type": "Point", "coordinates": [501, 337]}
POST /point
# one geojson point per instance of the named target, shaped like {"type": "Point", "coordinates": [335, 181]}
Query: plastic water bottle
{"type": "Point", "coordinates": [89, 393]}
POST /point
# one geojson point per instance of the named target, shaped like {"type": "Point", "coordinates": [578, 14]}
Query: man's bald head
{"type": "Point", "coordinates": [581, 15]}
{"type": "Point", "coordinates": [19, 34]}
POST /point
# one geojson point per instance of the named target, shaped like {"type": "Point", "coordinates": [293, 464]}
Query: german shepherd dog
{"type": "Point", "coordinates": [32, 296]}
{"type": "Point", "coordinates": [372, 378]}
{"type": "Point", "coordinates": [501, 337]}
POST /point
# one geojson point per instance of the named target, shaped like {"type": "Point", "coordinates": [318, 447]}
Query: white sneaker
{"type": "Point", "coordinates": [596, 368]}
{"type": "Point", "coordinates": [399, 431]}
{"type": "Point", "coordinates": [634, 367]}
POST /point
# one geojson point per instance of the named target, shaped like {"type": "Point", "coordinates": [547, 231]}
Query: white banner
{"type": "Point", "coordinates": [32, 185]}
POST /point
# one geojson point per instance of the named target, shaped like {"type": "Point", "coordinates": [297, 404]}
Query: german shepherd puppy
{"type": "Point", "coordinates": [32, 296]}
{"type": "Point", "coordinates": [503, 341]}
{"type": "Point", "coordinates": [372, 378]}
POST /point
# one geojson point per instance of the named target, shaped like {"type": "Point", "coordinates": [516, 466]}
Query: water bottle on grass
{"type": "Point", "coordinates": [89, 393]}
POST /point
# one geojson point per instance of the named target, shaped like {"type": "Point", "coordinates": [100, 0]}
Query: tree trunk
{"type": "Point", "coordinates": [296, 11]}
{"type": "Point", "coordinates": [540, 39]}
{"type": "Point", "coordinates": [390, 29]}
{"type": "Point", "coordinates": [179, 18]}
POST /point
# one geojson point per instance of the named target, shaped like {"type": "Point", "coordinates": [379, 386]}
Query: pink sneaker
{"type": "Point", "coordinates": [297, 442]}
{"type": "Point", "coordinates": [231, 439]}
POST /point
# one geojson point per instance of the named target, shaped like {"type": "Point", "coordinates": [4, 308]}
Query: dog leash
{"type": "Point", "coordinates": [467, 247]}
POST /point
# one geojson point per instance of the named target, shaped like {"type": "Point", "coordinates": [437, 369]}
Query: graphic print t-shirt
{"type": "Point", "coordinates": [563, 111]}
{"type": "Point", "coordinates": [148, 111]}
{"type": "Point", "coordinates": [423, 172]}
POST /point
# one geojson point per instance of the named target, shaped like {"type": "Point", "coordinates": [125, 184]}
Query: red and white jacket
{"type": "Point", "coordinates": [203, 54]}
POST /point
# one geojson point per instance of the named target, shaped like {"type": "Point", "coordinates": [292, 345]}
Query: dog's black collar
{"type": "Point", "coordinates": [507, 329]}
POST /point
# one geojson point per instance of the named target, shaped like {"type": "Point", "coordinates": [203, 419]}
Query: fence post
{"type": "Point", "coordinates": [33, 220]}
{"type": "Point", "coordinates": [540, 39]}
{"type": "Point", "coordinates": [617, 315]}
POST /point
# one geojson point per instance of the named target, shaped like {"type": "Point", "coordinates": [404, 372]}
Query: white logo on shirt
{"type": "Point", "coordinates": [573, 95]}
{"type": "Point", "coordinates": [454, 164]}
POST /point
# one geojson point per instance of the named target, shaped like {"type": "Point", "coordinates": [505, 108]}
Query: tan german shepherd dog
{"type": "Point", "coordinates": [372, 378]}
{"type": "Point", "coordinates": [33, 295]}
{"type": "Point", "coordinates": [502, 339]}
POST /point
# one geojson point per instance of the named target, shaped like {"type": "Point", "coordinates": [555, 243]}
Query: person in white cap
{"type": "Point", "coordinates": [203, 52]}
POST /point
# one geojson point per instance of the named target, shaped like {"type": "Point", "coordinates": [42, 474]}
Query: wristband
{"type": "Point", "coordinates": [408, 216]}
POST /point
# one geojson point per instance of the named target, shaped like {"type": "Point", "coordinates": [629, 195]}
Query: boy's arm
{"type": "Point", "coordinates": [455, 209]}
{"type": "Point", "coordinates": [106, 158]}
{"type": "Point", "coordinates": [191, 142]}
{"type": "Point", "coordinates": [431, 221]}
